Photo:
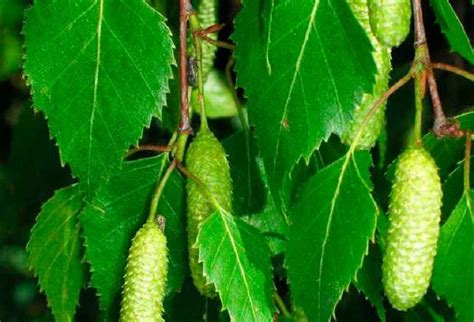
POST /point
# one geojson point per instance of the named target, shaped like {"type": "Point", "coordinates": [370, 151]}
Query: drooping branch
{"type": "Point", "coordinates": [442, 126]}
{"type": "Point", "coordinates": [184, 10]}
{"type": "Point", "coordinates": [454, 70]}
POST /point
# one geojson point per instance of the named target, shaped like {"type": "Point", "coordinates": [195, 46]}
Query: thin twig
{"type": "Point", "coordinates": [439, 117]}
{"type": "Point", "coordinates": [420, 35]}
{"type": "Point", "coordinates": [442, 126]}
{"type": "Point", "coordinates": [149, 148]}
{"type": "Point", "coordinates": [454, 70]}
{"type": "Point", "coordinates": [195, 26]}
{"type": "Point", "coordinates": [217, 43]}
{"type": "Point", "coordinates": [423, 58]}
{"type": "Point", "coordinates": [418, 107]}
{"type": "Point", "coordinates": [203, 34]}
{"type": "Point", "coordinates": [281, 305]}
{"type": "Point", "coordinates": [395, 87]}
{"type": "Point", "coordinates": [159, 190]}
{"type": "Point", "coordinates": [202, 186]}
{"type": "Point", "coordinates": [184, 9]}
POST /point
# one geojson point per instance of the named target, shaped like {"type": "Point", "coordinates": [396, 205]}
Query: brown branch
{"type": "Point", "coordinates": [442, 126]}
{"type": "Point", "coordinates": [150, 148]}
{"type": "Point", "coordinates": [217, 43]}
{"type": "Point", "coordinates": [204, 33]}
{"type": "Point", "coordinates": [213, 29]}
{"type": "Point", "coordinates": [395, 87]}
{"type": "Point", "coordinates": [420, 35]}
{"type": "Point", "coordinates": [184, 10]}
{"type": "Point", "coordinates": [454, 70]}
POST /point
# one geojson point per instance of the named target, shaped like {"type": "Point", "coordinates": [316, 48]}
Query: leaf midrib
{"type": "Point", "coordinates": [241, 269]}
{"type": "Point", "coordinates": [96, 86]}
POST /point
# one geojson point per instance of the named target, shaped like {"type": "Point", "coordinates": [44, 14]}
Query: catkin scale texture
{"type": "Point", "coordinates": [390, 20]}
{"type": "Point", "coordinates": [382, 58]}
{"type": "Point", "coordinates": [145, 276]}
{"type": "Point", "coordinates": [414, 213]}
{"type": "Point", "coordinates": [206, 159]}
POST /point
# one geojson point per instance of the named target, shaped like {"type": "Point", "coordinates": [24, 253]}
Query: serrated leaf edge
{"type": "Point", "coordinates": [33, 230]}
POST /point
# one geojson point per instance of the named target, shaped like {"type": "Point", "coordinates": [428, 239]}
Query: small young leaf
{"type": "Point", "coordinates": [99, 71]}
{"type": "Point", "coordinates": [237, 262]}
{"type": "Point", "coordinates": [453, 273]}
{"type": "Point", "coordinates": [54, 251]}
{"type": "Point", "coordinates": [333, 220]}
{"type": "Point", "coordinates": [118, 211]}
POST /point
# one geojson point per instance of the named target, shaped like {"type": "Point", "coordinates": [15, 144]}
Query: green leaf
{"type": "Point", "coordinates": [219, 98]}
{"type": "Point", "coordinates": [369, 280]}
{"type": "Point", "coordinates": [273, 226]}
{"type": "Point", "coordinates": [237, 262]}
{"type": "Point", "coordinates": [249, 189]}
{"type": "Point", "coordinates": [334, 217]}
{"type": "Point", "coordinates": [99, 71]}
{"type": "Point", "coordinates": [118, 210]}
{"type": "Point", "coordinates": [453, 273]}
{"type": "Point", "coordinates": [54, 251]}
{"type": "Point", "coordinates": [298, 91]}
{"type": "Point", "coordinates": [453, 29]}
{"type": "Point", "coordinates": [447, 152]}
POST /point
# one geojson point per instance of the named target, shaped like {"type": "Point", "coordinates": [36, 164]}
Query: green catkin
{"type": "Point", "coordinates": [207, 17]}
{"type": "Point", "coordinates": [382, 58]}
{"type": "Point", "coordinates": [145, 276]}
{"type": "Point", "coordinates": [390, 20]}
{"type": "Point", "coordinates": [414, 214]}
{"type": "Point", "coordinates": [205, 159]}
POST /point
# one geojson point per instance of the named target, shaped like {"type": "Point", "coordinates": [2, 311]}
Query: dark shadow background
{"type": "Point", "coordinates": [30, 169]}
